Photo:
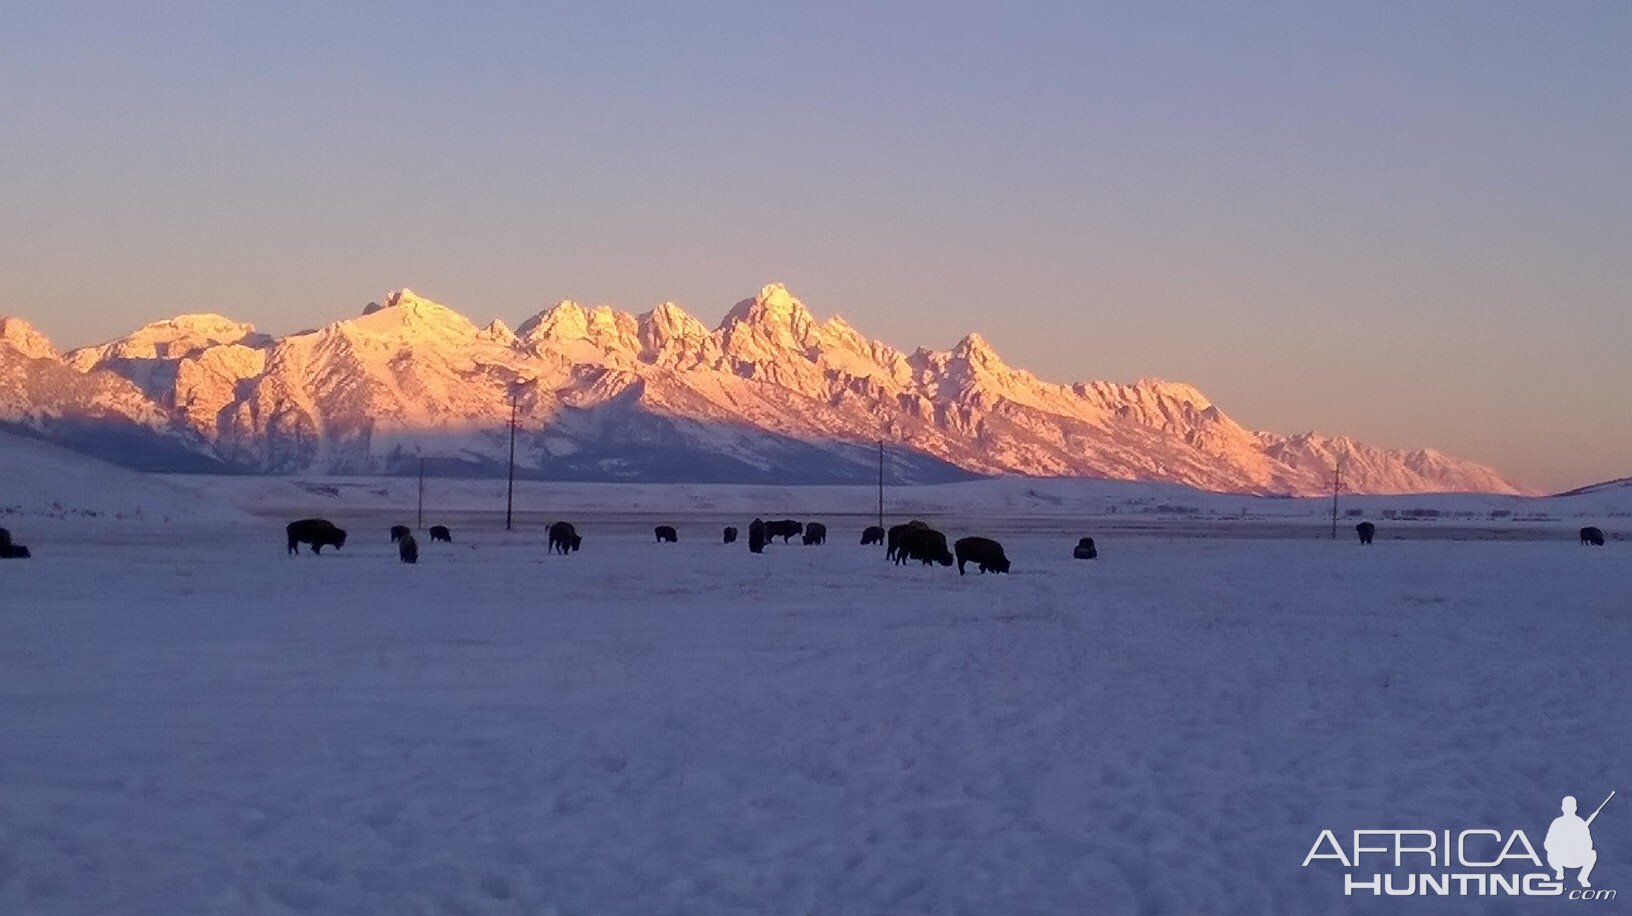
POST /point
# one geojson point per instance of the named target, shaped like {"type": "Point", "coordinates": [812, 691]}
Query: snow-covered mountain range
{"type": "Point", "coordinates": [770, 395]}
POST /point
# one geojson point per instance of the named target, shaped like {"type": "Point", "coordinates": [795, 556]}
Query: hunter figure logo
{"type": "Point", "coordinates": [1569, 842]}
{"type": "Point", "coordinates": [1476, 862]}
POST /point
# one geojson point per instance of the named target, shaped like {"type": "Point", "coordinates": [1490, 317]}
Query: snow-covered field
{"type": "Point", "coordinates": [193, 722]}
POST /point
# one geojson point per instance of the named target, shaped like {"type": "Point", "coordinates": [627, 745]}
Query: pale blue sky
{"type": "Point", "coordinates": [1409, 222]}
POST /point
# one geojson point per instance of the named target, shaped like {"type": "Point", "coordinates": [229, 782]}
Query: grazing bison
{"type": "Point", "coordinates": [756, 536]}
{"type": "Point", "coordinates": [1085, 550]}
{"type": "Point", "coordinates": [408, 549]}
{"type": "Point", "coordinates": [398, 532]}
{"type": "Point", "coordinates": [318, 532]}
{"type": "Point", "coordinates": [1367, 531]}
{"type": "Point", "coordinates": [872, 535]}
{"type": "Point", "coordinates": [787, 529]}
{"type": "Point", "coordinates": [925, 545]}
{"type": "Point", "coordinates": [815, 533]}
{"type": "Point", "coordinates": [666, 534]}
{"type": "Point", "coordinates": [564, 537]}
{"type": "Point", "coordinates": [441, 533]}
{"type": "Point", "coordinates": [730, 535]}
{"type": "Point", "coordinates": [1592, 537]}
{"type": "Point", "coordinates": [983, 552]}
{"type": "Point", "coordinates": [893, 539]}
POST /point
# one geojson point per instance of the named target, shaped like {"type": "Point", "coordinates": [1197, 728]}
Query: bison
{"type": "Point", "coordinates": [318, 532]}
{"type": "Point", "coordinates": [408, 549]}
{"type": "Point", "coordinates": [398, 532]}
{"type": "Point", "coordinates": [983, 552]}
{"type": "Point", "coordinates": [815, 533]}
{"type": "Point", "coordinates": [1367, 531]}
{"type": "Point", "coordinates": [925, 545]}
{"type": "Point", "coordinates": [1085, 550]}
{"type": "Point", "coordinates": [873, 534]}
{"type": "Point", "coordinates": [893, 539]}
{"type": "Point", "coordinates": [1592, 537]}
{"type": "Point", "coordinates": [787, 529]}
{"type": "Point", "coordinates": [441, 533]}
{"type": "Point", "coordinates": [564, 538]}
{"type": "Point", "coordinates": [666, 534]}
{"type": "Point", "coordinates": [10, 551]}
{"type": "Point", "coordinates": [756, 536]}
{"type": "Point", "coordinates": [730, 534]}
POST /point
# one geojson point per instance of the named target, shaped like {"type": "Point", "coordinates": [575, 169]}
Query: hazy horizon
{"type": "Point", "coordinates": [1403, 224]}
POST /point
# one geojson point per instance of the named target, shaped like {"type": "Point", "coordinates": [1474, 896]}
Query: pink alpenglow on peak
{"type": "Point", "coordinates": [769, 394]}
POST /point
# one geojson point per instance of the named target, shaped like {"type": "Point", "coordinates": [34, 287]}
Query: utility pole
{"type": "Point", "coordinates": [510, 487]}
{"type": "Point", "coordinates": [881, 485]}
{"type": "Point", "coordinates": [1337, 484]}
{"type": "Point", "coordinates": [420, 525]}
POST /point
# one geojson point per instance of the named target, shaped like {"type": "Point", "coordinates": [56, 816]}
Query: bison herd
{"type": "Point", "coordinates": [914, 540]}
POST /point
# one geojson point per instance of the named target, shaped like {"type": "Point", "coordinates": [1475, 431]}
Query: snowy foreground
{"type": "Point", "coordinates": [190, 721]}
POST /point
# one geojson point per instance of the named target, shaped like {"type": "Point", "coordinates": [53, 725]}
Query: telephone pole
{"type": "Point", "coordinates": [420, 524]}
{"type": "Point", "coordinates": [510, 486]}
{"type": "Point", "coordinates": [1337, 484]}
{"type": "Point", "coordinates": [881, 483]}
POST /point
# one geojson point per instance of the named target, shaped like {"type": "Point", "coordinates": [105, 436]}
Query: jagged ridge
{"type": "Point", "coordinates": [771, 393]}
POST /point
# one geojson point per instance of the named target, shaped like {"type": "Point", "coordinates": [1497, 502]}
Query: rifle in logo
{"type": "Point", "coordinates": [1569, 841]}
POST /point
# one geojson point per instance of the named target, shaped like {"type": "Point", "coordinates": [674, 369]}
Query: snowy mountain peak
{"type": "Point", "coordinates": [172, 338]}
{"type": "Point", "coordinates": [23, 338]}
{"type": "Point", "coordinates": [499, 332]}
{"type": "Point", "coordinates": [974, 348]}
{"type": "Point", "coordinates": [564, 319]}
{"type": "Point", "coordinates": [1182, 392]}
{"type": "Point", "coordinates": [773, 307]}
{"type": "Point", "coordinates": [670, 330]}
{"type": "Point", "coordinates": [406, 317]}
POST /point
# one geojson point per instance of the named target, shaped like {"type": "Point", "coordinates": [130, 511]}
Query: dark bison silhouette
{"type": "Point", "coordinates": [408, 549]}
{"type": "Point", "coordinates": [925, 545]}
{"type": "Point", "coordinates": [1592, 537]}
{"type": "Point", "coordinates": [441, 533]}
{"type": "Point", "coordinates": [666, 534]}
{"type": "Point", "coordinates": [756, 536]}
{"type": "Point", "coordinates": [318, 532]}
{"type": "Point", "coordinates": [398, 532]}
{"type": "Point", "coordinates": [983, 552]}
{"type": "Point", "coordinates": [787, 529]}
{"type": "Point", "coordinates": [730, 535]}
{"type": "Point", "coordinates": [10, 551]}
{"type": "Point", "coordinates": [564, 538]}
{"type": "Point", "coordinates": [892, 546]}
{"type": "Point", "coordinates": [872, 534]}
{"type": "Point", "coordinates": [815, 533]}
{"type": "Point", "coordinates": [1367, 531]}
{"type": "Point", "coordinates": [1085, 550]}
